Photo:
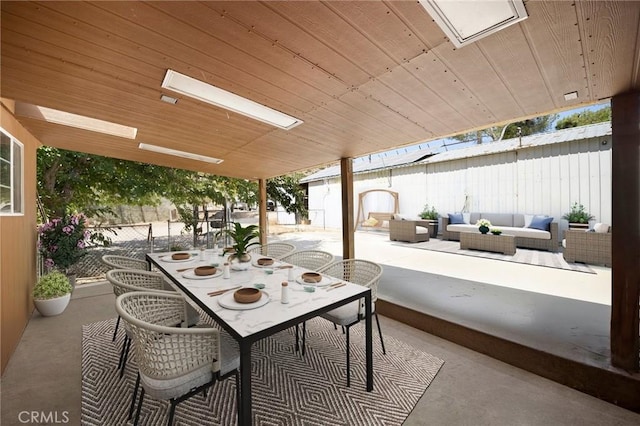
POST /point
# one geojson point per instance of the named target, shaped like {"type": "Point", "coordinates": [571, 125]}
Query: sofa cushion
{"type": "Point", "coordinates": [527, 219]}
{"type": "Point", "coordinates": [456, 219]}
{"type": "Point", "coordinates": [466, 217]}
{"type": "Point", "coordinates": [541, 222]}
{"type": "Point", "coordinates": [516, 232]}
{"type": "Point", "coordinates": [498, 219]}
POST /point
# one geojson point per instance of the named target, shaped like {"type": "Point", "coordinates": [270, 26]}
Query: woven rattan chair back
{"type": "Point", "coordinates": [357, 271]}
{"type": "Point", "coordinates": [309, 259]}
{"type": "Point", "coordinates": [123, 262]}
{"type": "Point", "coordinates": [127, 280]}
{"type": "Point", "coordinates": [275, 250]}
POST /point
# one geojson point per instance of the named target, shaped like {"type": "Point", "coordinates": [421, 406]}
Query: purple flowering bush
{"type": "Point", "coordinates": [63, 241]}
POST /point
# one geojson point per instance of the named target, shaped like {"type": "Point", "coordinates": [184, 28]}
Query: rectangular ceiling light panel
{"type": "Point", "coordinates": [74, 120]}
{"type": "Point", "coordinates": [183, 154]}
{"type": "Point", "coordinates": [467, 21]}
{"type": "Point", "coordinates": [205, 92]}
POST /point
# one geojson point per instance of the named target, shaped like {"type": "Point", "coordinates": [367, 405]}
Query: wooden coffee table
{"type": "Point", "coordinates": [488, 242]}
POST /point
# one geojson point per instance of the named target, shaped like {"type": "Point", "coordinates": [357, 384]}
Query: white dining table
{"type": "Point", "coordinates": [250, 323]}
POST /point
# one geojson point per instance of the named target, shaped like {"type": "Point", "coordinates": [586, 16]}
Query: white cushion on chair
{"type": "Point", "coordinates": [346, 314]}
{"type": "Point", "coordinates": [230, 354]}
{"type": "Point", "coordinates": [173, 388]}
{"type": "Point", "coordinates": [422, 230]}
{"type": "Point", "coordinates": [602, 228]}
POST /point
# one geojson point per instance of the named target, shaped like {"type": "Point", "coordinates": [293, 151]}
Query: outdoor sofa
{"type": "Point", "coordinates": [515, 224]}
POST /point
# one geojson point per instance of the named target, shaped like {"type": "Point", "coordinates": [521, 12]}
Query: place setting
{"type": "Point", "coordinates": [181, 257]}
{"type": "Point", "coordinates": [242, 298]}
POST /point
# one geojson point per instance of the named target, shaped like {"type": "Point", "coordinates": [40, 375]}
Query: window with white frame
{"type": "Point", "coordinates": [11, 178]}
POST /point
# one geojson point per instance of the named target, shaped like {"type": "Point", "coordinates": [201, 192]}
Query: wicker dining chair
{"type": "Point", "coordinates": [124, 262]}
{"type": "Point", "coordinates": [174, 363]}
{"type": "Point", "coordinates": [128, 280]}
{"type": "Point", "coordinates": [275, 250]}
{"type": "Point", "coordinates": [309, 259]}
{"type": "Point", "coordinates": [357, 271]}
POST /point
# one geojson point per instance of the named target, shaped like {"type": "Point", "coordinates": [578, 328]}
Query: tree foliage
{"type": "Point", "coordinates": [585, 117]}
{"type": "Point", "coordinates": [513, 130]}
{"type": "Point", "coordinates": [71, 181]}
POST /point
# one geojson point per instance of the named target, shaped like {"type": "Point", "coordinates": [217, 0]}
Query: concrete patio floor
{"type": "Point", "coordinates": [44, 373]}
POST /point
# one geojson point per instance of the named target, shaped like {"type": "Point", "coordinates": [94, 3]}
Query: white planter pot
{"type": "Point", "coordinates": [51, 307]}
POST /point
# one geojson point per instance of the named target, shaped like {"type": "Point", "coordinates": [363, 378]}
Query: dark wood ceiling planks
{"type": "Point", "coordinates": [364, 76]}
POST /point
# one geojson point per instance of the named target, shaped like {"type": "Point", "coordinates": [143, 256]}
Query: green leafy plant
{"type": "Point", "coordinates": [243, 238]}
{"type": "Point", "coordinates": [429, 213]}
{"type": "Point", "coordinates": [578, 214]}
{"type": "Point", "coordinates": [496, 231]}
{"type": "Point", "coordinates": [51, 285]}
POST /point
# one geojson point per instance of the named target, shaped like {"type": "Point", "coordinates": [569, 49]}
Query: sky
{"type": "Point", "coordinates": [441, 145]}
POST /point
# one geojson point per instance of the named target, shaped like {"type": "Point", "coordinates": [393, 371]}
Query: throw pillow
{"type": "Point", "coordinates": [372, 221]}
{"type": "Point", "coordinates": [602, 228]}
{"type": "Point", "coordinates": [456, 219]}
{"type": "Point", "coordinates": [398, 216]}
{"type": "Point", "coordinates": [541, 222]}
{"type": "Point", "coordinates": [466, 217]}
{"type": "Point", "coordinates": [527, 220]}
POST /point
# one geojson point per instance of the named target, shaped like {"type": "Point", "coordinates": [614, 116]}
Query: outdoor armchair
{"type": "Point", "coordinates": [275, 250]}
{"type": "Point", "coordinates": [174, 363]}
{"type": "Point", "coordinates": [124, 262]}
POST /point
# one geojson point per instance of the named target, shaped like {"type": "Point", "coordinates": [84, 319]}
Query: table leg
{"type": "Point", "coordinates": [245, 384]}
{"type": "Point", "coordinates": [369, 339]}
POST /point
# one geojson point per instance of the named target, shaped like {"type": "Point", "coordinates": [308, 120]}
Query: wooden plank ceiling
{"type": "Point", "coordinates": [364, 76]}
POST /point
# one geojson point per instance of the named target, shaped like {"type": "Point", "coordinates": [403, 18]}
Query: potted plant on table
{"type": "Point", "coordinates": [431, 215]}
{"type": "Point", "coordinates": [52, 293]}
{"type": "Point", "coordinates": [578, 217]}
{"type": "Point", "coordinates": [483, 225]}
{"type": "Point", "coordinates": [243, 239]}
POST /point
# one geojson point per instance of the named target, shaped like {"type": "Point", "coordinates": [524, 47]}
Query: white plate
{"type": "Point", "coordinates": [192, 275]}
{"type": "Point", "coordinates": [274, 264]}
{"type": "Point", "coordinates": [325, 281]}
{"type": "Point", "coordinates": [227, 301]}
{"type": "Point", "coordinates": [168, 258]}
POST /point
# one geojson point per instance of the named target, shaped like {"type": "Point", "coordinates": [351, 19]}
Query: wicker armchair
{"type": "Point", "coordinates": [412, 231]}
{"type": "Point", "coordinates": [124, 262]}
{"type": "Point", "coordinates": [587, 247]}
{"type": "Point", "coordinates": [361, 272]}
{"type": "Point", "coordinates": [275, 250]}
{"type": "Point", "coordinates": [174, 363]}
{"type": "Point", "coordinates": [309, 259]}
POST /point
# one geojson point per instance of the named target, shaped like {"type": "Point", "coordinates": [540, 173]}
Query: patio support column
{"type": "Point", "coordinates": [625, 123]}
{"type": "Point", "coordinates": [263, 221]}
{"type": "Point", "coordinates": [346, 182]}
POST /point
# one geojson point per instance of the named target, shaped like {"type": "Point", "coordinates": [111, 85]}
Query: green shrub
{"type": "Point", "coordinates": [51, 285]}
{"type": "Point", "coordinates": [429, 214]}
{"type": "Point", "coordinates": [578, 214]}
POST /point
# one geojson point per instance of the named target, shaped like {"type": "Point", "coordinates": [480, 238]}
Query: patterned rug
{"type": "Point", "coordinates": [288, 389]}
{"type": "Point", "coordinates": [526, 256]}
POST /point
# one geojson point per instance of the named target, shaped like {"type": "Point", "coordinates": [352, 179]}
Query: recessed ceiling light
{"type": "Point", "coordinates": [75, 120]}
{"type": "Point", "coordinates": [570, 96]}
{"type": "Point", "coordinates": [213, 95]}
{"type": "Point", "coordinates": [168, 99]}
{"type": "Point", "coordinates": [467, 21]}
{"type": "Point", "coordinates": [177, 153]}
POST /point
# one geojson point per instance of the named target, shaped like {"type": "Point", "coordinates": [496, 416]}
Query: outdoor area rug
{"type": "Point", "coordinates": [288, 389]}
{"type": "Point", "coordinates": [526, 256]}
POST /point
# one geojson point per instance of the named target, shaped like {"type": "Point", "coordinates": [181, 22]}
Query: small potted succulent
{"type": "Point", "coordinates": [431, 215]}
{"type": "Point", "coordinates": [578, 217]}
{"type": "Point", "coordinates": [52, 293]}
